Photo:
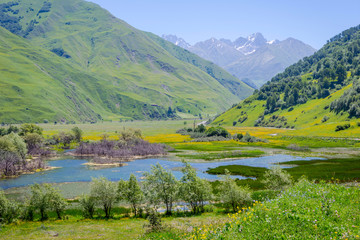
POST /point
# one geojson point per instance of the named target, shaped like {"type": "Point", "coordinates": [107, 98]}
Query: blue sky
{"type": "Point", "coordinates": [312, 21]}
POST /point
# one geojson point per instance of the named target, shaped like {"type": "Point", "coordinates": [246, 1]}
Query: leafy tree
{"type": "Point", "coordinates": [33, 141]}
{"type": "Point", "coordinates": [194, 190]}
{"type": "Point", "coordinates": [105, 194]}
{"type": "Point", "coordinates": [56, 201]}
{"type": "Point", "coordinates": [88, 203]}
{"type": "Point", "coordinates": [39, 200]}
{"type": "Point", "coordinates": [160, 185]}
{"type": "Point", "coordinates": [8, 209]}
{"type": "Point", "coordinates": [341, 73]}
{"type": "Point", "coordinates": [201, 128]}
{"type": "Point", "coordinates": [233, 195]}
{"type": "Point", "coordinates": [13, 143]}
{"type": "Point", "coordinates": [30, 128]}
{"type": "Point", "coordinates": [277, 179]}
{"type": "Point", "coordinates": [77, 133]}
{"type": "Point", "coordinates": [131, 192]}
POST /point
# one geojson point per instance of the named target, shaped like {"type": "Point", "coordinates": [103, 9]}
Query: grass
{"type": "Point", "coordinates": [115, 71]}
{"type": "Point", "coordinates": [245, 171]}
{"type": "Point", "coordinates": [75, 227]}
{"type": "Point", "coordinates": [223, 155]}
{"type": "Point", "coordinates": [345, 170]}
{"type": "Point", "coordinates": [305, 211]}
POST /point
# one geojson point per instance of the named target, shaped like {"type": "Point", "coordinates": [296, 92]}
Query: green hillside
{"type": "Point", "coordinates": [76, 62]}
{"type": "Point", "coordinates": [317, 93]}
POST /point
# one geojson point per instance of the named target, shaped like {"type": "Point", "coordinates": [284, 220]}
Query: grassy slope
{"type": "Point", "coordinates": [307, 117]}
{"type": "Point", "coordinates": [129, 70]}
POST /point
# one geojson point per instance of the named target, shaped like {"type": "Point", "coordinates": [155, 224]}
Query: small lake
{"type": "Point", "coordinates": [73, 170]}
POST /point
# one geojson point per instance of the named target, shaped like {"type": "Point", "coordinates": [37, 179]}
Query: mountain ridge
{"type": "Point", "coordinates": [242, 59]}
{"type": "Point", "coordinates": [135, 77]}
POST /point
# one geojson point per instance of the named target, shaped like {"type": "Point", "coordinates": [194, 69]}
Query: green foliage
{"type": "Point", "coordinates": [131, 192]}
{"type": "Point", "coordinates": [160, 185]}
{"type": "Point", "coordinates": [130, 135]}
{"type": "Point", "coordinates": [88, 204]}
{"type": "Point", "coordinates": [8, 209]}
{"type": "Point", "coordinates": [104, 193]}
{"type": "Point", "coordinates": [43, 198]}
{"type": "Point", "coordinates": [217, 131]}
{"type": "Point", "coordinates": [154, 219]}
{"type": "Point", "coordinates": [231, 194]}
{"type": "Point", "coordinates": [77, 133]}
{"type": "Point", "coordinates": [277, 179]}
{"type": "Point", "coordinates": [13, 143]}
{"type": "Point", "coordinates": [342, 127]}
{"type": "Point", "coordinates": [30, 128]}
{"type": "Point", "coordinates": [194, 190]}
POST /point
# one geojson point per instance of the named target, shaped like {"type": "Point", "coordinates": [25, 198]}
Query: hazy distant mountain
{"type": "Point", "coordinates": [254, 59]}
{"type": "Point", "coordinates": [177, 41]}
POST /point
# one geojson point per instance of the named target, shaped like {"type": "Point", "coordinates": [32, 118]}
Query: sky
{"type": "Point", "coordinates": [311, 21]}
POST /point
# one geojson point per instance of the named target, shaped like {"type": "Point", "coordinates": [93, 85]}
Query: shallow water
{"type": "Point", "coordinates": [73, 170]}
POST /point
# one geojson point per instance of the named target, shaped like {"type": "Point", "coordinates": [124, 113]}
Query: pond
{"type": "Point", "coordinates": [73, 170]}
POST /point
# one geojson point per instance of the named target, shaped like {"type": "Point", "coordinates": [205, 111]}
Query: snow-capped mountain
{"type": "Point", "coordinates": [176, 40]}
{"type": "Point", "coordinates": [253, 59]}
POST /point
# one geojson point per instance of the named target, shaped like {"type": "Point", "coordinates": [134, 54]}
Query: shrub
{"type": "Point", "coordinates": [277, 179]}
{"type": "Point", "coordinates": [342, 127]}
{"type": "Point", "coordinates": [233, 195]}
{"type": "Point", "coordinates": [154, 219]}
{"type": "Point", "coordinates": [325, 118]}
{"type": "Point", "coordinates": [88, 205]}
{"type": "Point", "coordinates": [8, 209]}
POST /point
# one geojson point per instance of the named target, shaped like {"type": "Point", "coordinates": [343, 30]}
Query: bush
{"type": "Point", "coordinates": [154, 219]}
{"type": "Point", "coordinates": [277, 179]}
{"type": "Point", "coordinates": [8, 209]}
{"type": "Point", "coordinates": [217, 131]}
{"type": "Point", "coordinates": [231, 194]}
{"type": "Point", "coordinates": [342, 127]}
{"type": "Point", "coordinates": [88, 205]}
{"type": "Point", "coordinates": [325, 118]}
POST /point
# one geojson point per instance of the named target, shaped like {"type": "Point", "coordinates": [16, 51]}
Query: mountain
{"type": "Point", "coordinates": [73, 61]}
{"type": "Point", "coordinates": [254, 59]}
{"type": "Point", "coordinates": [316, 94]}
{"type": "Point", "coordinates": [177, 41]}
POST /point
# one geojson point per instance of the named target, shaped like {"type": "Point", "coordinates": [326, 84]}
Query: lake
{"type": "Point", "coordinates": [73, 170]}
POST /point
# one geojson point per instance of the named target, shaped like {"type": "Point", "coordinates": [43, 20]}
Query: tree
{"type": "Point", "coordinates": [233, 195]}
{"type": "Point", "coordinates": [77, 133]}
{"type": "Point", "coordinates": [30, 128]}
{"type": "Point", "coordinates": [8, 209]}
{"type": "Point", "coordinates": [56, 201]}
{"type": "Point", "coordinates": [194, 190]}
{"type": "Point", "coordinates": [341, 73]}
{"type": "Point", "coordinates": [105, 194]}
{"type": "Point", "coordinates": [131, 192]}
{"type": "Point", "coordinates": [277, 179]}
{"type": "Point", "coordinates": [88, 203]}
{"type": "Point", "coordinates": [161, 185]}
{"type": "Point", "coordinates": [33, 141]}
{"type": "Point", "coordinates": [39, 200]}
{"type": "Point", "coordinates": [13, 143]}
